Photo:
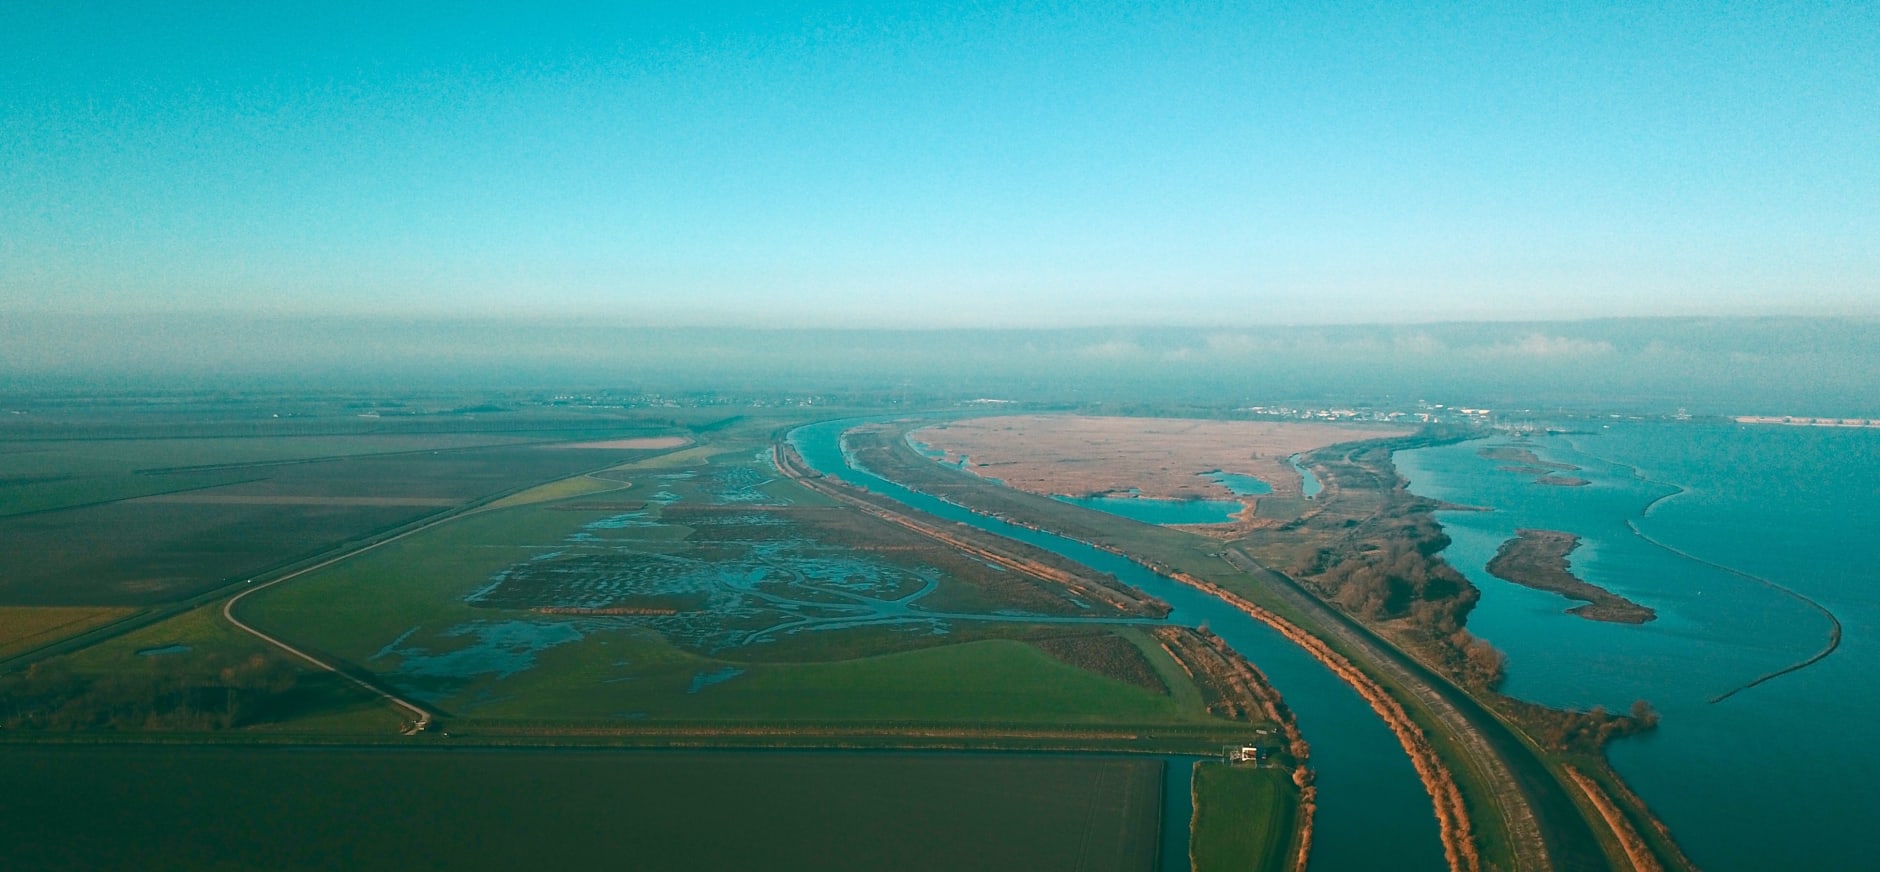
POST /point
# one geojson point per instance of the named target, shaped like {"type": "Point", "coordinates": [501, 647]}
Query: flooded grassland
{"type": "Point", "coordinates": [708, 596]}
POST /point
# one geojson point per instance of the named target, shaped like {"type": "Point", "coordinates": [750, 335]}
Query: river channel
{"type": "Point", "coordinates": [1373, 812]}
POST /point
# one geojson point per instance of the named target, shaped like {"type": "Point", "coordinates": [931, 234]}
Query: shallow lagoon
{"type": "Point", "coordinates": [1239, 485]}
{"type": "Point", "coordinates": [1150, 511]}
{"type": "Point", "coordinates": [1776, 776]}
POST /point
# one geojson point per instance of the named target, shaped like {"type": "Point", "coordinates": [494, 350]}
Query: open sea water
{"type": "Point", "coordinates": [1751, 542]}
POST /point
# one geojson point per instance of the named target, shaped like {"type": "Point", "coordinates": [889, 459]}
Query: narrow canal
{"type": "Point", "coordinates": [1373, 811]}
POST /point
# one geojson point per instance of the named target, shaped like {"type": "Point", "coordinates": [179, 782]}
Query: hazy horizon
{"type": "Point", "coordinates": [1797, 366]}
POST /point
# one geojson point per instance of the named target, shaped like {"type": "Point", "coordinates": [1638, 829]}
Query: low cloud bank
{"type": "Point", "coordinates": [1734, 366]}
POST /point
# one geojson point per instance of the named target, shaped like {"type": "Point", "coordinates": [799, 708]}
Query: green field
{"type": "Point", "coordinates": [481, 619]}
{"type": "Point", "coordinates": [203, 808]}
{"type": "Point", "coordinates": [1243, 818]}
{"type": "Point", "coordinates": [191, 673]}
{"type": "Point", "coordinates": [43, 475]}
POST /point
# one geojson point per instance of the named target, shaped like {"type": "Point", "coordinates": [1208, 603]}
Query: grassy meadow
{"type": "Point", "coordinates": [1243, 818]}
{"type": "Point", "coordinates": [159, 507]}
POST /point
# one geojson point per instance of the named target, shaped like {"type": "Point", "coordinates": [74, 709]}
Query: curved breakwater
{"type": "Point", "coordinates": [1834, 623]}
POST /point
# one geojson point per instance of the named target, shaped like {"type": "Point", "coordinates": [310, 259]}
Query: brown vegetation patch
{"type": "Point", "coordinates": [1523, 461]}
{"type": "Point", "coordinates": [1637, 852]}
{"type": "Point", "coordinates": [1371, 549]}
{"type": "Point", "coordinates": [1162, 458]}
{"type": "Point", "coordinates": [1230, 685]}
{"type": "Point", "coordinates": [1538, 559]}
{"type": "Point", "coordinates": [28, 627]}
{"type": "Point", "coordinates": [1105, 654]}
{"type": "Point", "coordinates": [1579, 731]}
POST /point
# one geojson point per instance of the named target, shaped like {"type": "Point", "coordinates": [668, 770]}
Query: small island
{"type": "Point", "coordinates": [1523, 461]}
{"type": "Point", "coordinates": [1538, 559]}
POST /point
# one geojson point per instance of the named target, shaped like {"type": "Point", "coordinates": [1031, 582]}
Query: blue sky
{"type": "Point", "coordinates": [979, 164]}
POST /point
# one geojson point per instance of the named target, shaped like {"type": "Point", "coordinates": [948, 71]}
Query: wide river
{"type": "Point", "coordinates": [1373, 811]}
{"type": "Point", "coordinates": [1701, 522]}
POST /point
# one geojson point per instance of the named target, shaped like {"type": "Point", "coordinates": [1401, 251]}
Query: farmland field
{"type": "Point", "coordinates": [190, 673]}
{"type": "Point", "coordinates": [23, 628]}
{"type": "Point", "coordinates": [221, 808]}
{"type": "Point", "coordinates": [101, 530]}
{"type": "Point", "coordinates": [1243, 818]}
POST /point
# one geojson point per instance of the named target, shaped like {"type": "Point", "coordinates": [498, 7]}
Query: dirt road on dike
{"type": "Point", "coordinates": [1515, 794]}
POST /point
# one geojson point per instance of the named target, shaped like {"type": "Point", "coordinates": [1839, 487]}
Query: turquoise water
{"type": "Point", "coordinates": [1154, 511]}
{"type": "Point", "coordinates": [1308, 483]}
{"type": "Point", "coordinates": [1777, 775]}
{"type": "Point", "coordinates": [1373, 812]}
{"type": "Point", "coordinates": [498, 649]}
{"type": "Point", "coordinates": [163, 650]}
{"type": "Point", "coordinates": [706, 679]}
{"type": "Point", "coordinates": [1240, 485]}
{"type": "Point", "coordinates": [1151, 511]}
